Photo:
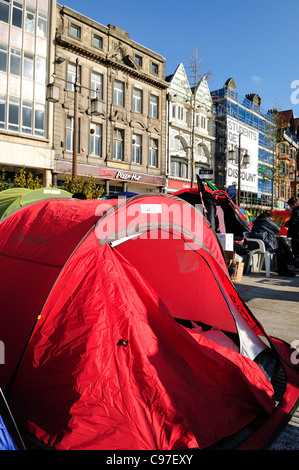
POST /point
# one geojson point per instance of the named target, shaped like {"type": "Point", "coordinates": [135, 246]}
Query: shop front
{"type": "Point", "coordinates": [114, 179]}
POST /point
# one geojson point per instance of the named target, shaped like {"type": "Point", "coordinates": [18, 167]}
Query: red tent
{"type": "Point", "coordinates": [122, 329]}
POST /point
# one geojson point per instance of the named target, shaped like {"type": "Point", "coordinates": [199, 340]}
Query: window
{"type": "Point", "coordinates": [118, 94]}
{"type": "Point", "coordinates": [40, 69]}
{"type": "Point", "coordinates": [30, 20]}
{"type": "Point", "coordinates": [2, 111]}
{"type": "Point", "coordinates": [42, 25]}
{"type": "Point", "coordinates": [27, 117]}
{"type": "Point", "coordinates": [173, 111]}
{"type": "Point", "coordinates": [96, 85]}
{"type": "Point", "coordinates": [98, 42]}
{"type": "Point", "coordinates": [137, 100]}
{"type": "Point", "coordinates": [3, 58]}
{"type": "Point", "coordinates": [13, 114]}
{"type": "Point", "coordinates": [138, 60]}
{"type": "Point", "coordinates": [70, 134]}
{"type": "Point", "coordinates": [28, 66]}
{"type": "Point", "coordinates": [118, 144]}
{"type": "Point", "coordinates": [4, 10]}
{"type": "Point", "coordinates": [154, 106]}
{"type": "Point", "coordinates": [15, 61]}
{"type": "Point", "coordinates": [136, 148]}
{"type": "Point", "coordinates": [153, 152]}
{"type": "Point", "coordinates": [178, 144]}
{"type": "Point", "coordinates": [17, 14]}
{"type": "Point", "coordinates": [155, 68]}
{"type": "Point", "coordinates": [71, 76]}
{"type": "Point", "coordinates": [179, 169]}
{"type": "Point", "coordinates": [75, 31]}
{"type": "Point", "coordinates": [39, 120]}
{"type": "Point", "coordinates": [180, 113]}
{"type": "Point", "coordinates": [203, 122]}
{"type": "Point", "coordinates": [96, 139]}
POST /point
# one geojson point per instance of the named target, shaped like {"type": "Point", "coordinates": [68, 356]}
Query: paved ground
{"type": "Point", "coordinates": [274, 302]}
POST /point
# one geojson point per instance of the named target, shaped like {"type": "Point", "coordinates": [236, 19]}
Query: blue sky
{"type": "Point", "coordinates": [255, 42]}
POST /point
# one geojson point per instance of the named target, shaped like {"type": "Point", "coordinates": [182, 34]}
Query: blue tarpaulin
{"type": "Point", "coordinates": [6, 442]}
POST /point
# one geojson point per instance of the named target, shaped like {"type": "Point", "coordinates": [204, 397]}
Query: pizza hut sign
{"type": "Point", "coordinates": [127, 176]}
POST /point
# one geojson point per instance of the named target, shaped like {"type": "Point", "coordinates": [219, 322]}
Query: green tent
{"type": "Point", "coordinates": [30, 196]}
{"type": "Point", "coordinates": [9, 196]}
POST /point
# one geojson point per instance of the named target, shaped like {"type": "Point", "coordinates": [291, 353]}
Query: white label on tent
{"type": "Point", "coordinates": [151, 209]}
{"type": "Point", "coordinates": [51, 191]}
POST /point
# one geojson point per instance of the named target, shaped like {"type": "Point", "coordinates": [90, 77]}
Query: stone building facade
{"type": "Point", "coordinates": [287, 153]}
{"type": "Point", "coordinates": [119, 110]}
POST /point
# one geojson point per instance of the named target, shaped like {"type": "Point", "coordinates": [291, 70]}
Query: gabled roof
{"type": "Point", "coordinates": [285, 118]}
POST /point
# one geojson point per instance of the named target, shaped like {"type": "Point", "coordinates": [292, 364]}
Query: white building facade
{"type": "Point", "coordinates": [190, 128]}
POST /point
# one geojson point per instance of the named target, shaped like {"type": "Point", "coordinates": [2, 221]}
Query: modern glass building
{"type": "Point", "coordinates": [245, 132]}
{"type": "Point", "coordinates": [25, 52]}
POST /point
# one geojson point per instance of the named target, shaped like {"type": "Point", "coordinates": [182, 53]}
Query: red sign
{"type": "Point", "coordinates": [180, 184]}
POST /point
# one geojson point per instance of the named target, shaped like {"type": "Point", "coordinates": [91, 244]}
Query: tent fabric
{"type": "Point", "coordinates": [151, 394]}
{"type": "Point", "coordinates": [107, 364]}
{"type": "Point", "coordinates": [30, 196]}
{"type": "Point", "coordinates": [8, 197]}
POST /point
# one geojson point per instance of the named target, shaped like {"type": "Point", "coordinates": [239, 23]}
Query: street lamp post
{"type": "Point", "coordinates": [75, 133]}
{"type": "Point", "coordinates": [245, 161]}
{"type": "Point", "coordinates": [96, 107]}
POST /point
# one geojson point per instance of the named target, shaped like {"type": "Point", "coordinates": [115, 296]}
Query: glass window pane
{"type": "Point", "coordinates": [136, 148]}
{"type": "Point", "coordinates": [15, 61]}
{"type": "Point", "coordinates": [3, 58]}
{"type": "Point", "coordinates": [30, 20]}
{"type": "Point", "coordinates": [96, 139]}
{"type": "Point", "coordinates": [98, 41]}
{"type": "Point", "coordinates": [40, 70]}
{"type": "Point", "coordinates": [118, 140]}
{"type": "Point", "coordinates": [28, 66]}
{"type": "Point", "coordinates": [97, 85]}
{"type": "Point", "coordinates": [153, 106]}
{"type": "Point", "coordinates": [69, 134]}
{"type": "Point", "coordinates": [75, 31]}
{"type": "Point", "coordinates": [17, 14]}
{"type": "Point", "coordinates": [4, 12]}
{"type": "Point", "coordinates": [39, 120]}
{"type": "Point", "coordinates": [42, 25]}
{"type": "Point", "coordinates": [2, 111]}
{"type": "Point", "coordinates": [71, 76]}
{"type": "Point", "coordinates": [27, 117]}
{"type": "Point", "coordinates": [137, 100]}
{"type": "Point", "coordinates": [13, 114]}
{"type": "Point", "coordinates": [118, 97]}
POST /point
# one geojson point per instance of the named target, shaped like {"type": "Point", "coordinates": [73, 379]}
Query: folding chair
{"type": "Point", "coordinates": [257, 247]}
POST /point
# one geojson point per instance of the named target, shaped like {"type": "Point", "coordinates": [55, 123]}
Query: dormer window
{"type": "Point", "coordinates": [75, 31]}
{"type": "Point", "coordinates": [98, 42]}
{"type": "Point", "coordinates": [138, 60]}
{"type": "Point", "coordinates": [155, 68]}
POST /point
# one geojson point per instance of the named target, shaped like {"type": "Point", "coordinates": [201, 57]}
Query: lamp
{"type": "Point", "coordinates": [96, 107]}
{"type": "Point", "coordinates": [52, 93]}
{"type": "Point", "coordinates": [245, 161]}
